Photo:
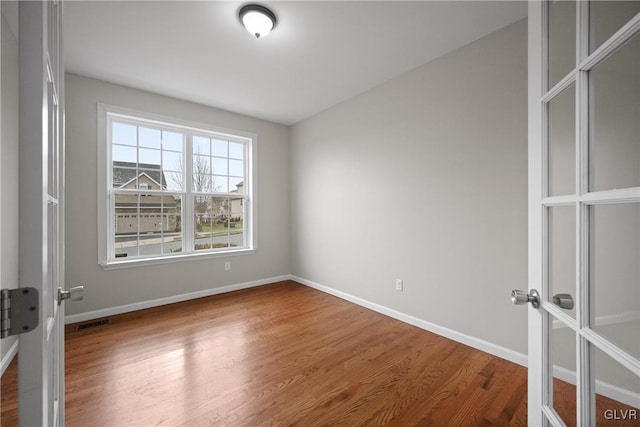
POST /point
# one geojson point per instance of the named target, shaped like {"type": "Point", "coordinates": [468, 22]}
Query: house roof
{"type": "Point", "coordinates": [125, 172]}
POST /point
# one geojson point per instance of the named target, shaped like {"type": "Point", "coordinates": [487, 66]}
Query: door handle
{"type": "Point", "coordinates": [563, 301]}
{"type": "Point", "coordinates": [74, 294]}
{"type": "Point", "coordinates": [519, 297]}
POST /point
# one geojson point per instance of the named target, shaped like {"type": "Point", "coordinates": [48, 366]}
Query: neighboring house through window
{"type": "Point", "coordinates": [172, 189]}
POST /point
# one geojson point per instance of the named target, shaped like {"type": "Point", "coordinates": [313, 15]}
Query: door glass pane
{"type": "Point", "coordinates": [615, 273]}
{"type": "Point", "coordinates": [617, 393]}
{"type": "Point", "coordinates": [562, 40]}
{"type": "Point", "coordinates": [53, 140]}
{"type": "Point", "coordinates": [562, 143]}
{"type": "Point", "coordinates": [607, 17]}
{"type": "Point", "coordinates": [562, 252]}
{"type": "Point", "coordinates": [615, 109]}
{"type": "Point", "coordinates": [563, 360]}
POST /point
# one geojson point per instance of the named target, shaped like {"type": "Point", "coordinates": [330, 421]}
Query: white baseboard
{"type": "Point", "coordinates": [494, 349]}
{"type": "Point", "coordinates": [111, 311]}
{"type": "Point", "coordinates": [605, 389]}
{"type": "Point", "coordinates": [619, 394]}
{"type": "Point", "coordinates": [6, 360]}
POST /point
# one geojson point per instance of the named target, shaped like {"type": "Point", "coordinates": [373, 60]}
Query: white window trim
{"type": "Point", "coordinates": [104, 164]}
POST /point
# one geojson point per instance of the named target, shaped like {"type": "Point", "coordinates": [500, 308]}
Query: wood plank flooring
{"type": "Point", "coordinates": [281, 354]}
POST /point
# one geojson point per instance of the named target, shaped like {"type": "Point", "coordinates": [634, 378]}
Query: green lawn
{"type": "Point", "coordinates": [220, 228]}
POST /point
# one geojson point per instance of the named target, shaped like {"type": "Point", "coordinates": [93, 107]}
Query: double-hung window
{"type": "Point", "coordinates": [170, 189]}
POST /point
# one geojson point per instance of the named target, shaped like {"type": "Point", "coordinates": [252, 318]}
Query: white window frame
{"type": "Point", "coordinates": [106, 252]}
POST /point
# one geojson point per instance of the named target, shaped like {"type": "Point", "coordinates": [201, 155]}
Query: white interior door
{"type": "Point", "coordinates": [41, 352]}
{"type": "Point", "coordinates": [584, 212]}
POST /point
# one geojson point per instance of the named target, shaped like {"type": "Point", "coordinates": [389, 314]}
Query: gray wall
{"type": "Point", "coordinates": [9, 168]}
{"type": "Point", "coordinates": [112, 288]}
{"type": "Point", "coordinates": [424, 178]}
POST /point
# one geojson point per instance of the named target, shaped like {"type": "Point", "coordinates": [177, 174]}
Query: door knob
{"type": "Point", "coordinates": [563, 301]}
{"type": "Point", "coordinates": [519, 297]}
{"type": "Point", "coordinates": [74, 294]}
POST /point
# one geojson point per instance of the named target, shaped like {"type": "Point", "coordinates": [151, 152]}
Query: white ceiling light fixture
{"type": "Point", "coordinates": [258, 20]}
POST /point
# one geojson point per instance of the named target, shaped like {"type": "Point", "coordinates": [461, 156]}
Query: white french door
{"type": "Point", "coordinates": [584, 212]}
{"type": "Point", "coordinates": [41, 351]}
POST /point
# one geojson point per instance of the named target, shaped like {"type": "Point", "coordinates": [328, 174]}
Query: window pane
{"type": "Point", "coordinates": [236, 150]}
{"type": "Point", "coordinates": [174, 181]}
{"type": "Point", "coordinates": [607, 17]}
{"type": "Point", "coordinates": [150, 157]}
{"type": "Point", "coordinates": [615, 108]}
{"type": "Point", "coordinates": [126, 209]}
{"type": "Point", "coordinates": [124, 177]}
{"type": "Point", "coordinates": [220, 184]}
{"type": "Point", "coordinates": [562, 353]}
{"type": "Point", "coordinates": [236, 185]}
{"type": "Point", "coordinates": [562, 39]}
{"type": "Point", "coordinates": [562, 252]}
{"type": "Point", "coordinates": [220, 148]}
{"type": "Point", "coordinates": [204, 221]}
{"type": "Point", "coordinates": [220, 166]}
{"type": "Point", "coordinates": [562, 143]}
{"type": "Point", "coordinates": [153, 177]}
{"type": "Point", "coordinates": [122, 153]}
{"type": "Point", "coordinates": [167, 236]}
{"type": "Point", "coordinates": [125, 246]}
{"type": "Point", "coordinates": [216, 227]}
{"type": "Point", "coordinates": [172, 217]}
{"type": "Point", "coordinates": [236, 168]}
{"type": "Point", "coordinates": [617, 391]}
{"type": "Point", "coordinates": [150, 224]}
{"type": "Point", "coordinates": [236, 225]}
{"type": "Point", "coordinates": [147, 225]}
{"type": "Point", "coordinates": [172, 141]}
{"type": "Point", "coordinates": [201, 145]}
{"type": "Point", "coordinates": [202, 183]}
{"type": "Point", "coordinates": [123, 134]}
{"type": "Point", "coordinates": [201, 204]}
{"type": "Point", "coordinates": [172, 161]}
{"type": "Point", "coordinates": [201, 164]}
{"type": "Point", "coordinates": [615, 273]}
{"type": "Point", "coordinates": [149, 137]}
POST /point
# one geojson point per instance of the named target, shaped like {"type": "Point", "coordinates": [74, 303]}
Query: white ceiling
{"type": "Point", "coordinates": [321, 53]}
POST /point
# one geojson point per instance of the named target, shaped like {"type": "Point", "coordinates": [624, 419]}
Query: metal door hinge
{"type": "Point", "coordinates": [19, 311]}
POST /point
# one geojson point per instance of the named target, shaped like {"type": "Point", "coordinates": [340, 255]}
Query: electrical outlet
{"type": "Point", "coordinates": [399, 285]}
{"type": "Point", "coordinates": [227, 265]}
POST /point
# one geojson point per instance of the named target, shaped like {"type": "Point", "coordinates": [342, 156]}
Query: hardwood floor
{"type": "Point", "coordinates": [282, 354]}
{"type": "Point", "coordinates": [8, 395]}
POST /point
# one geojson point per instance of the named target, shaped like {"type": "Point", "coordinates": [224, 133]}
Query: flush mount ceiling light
{"type": "Point", "coordinates": [258, 20]}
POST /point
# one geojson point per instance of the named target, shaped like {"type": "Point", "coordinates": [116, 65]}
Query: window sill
{"type": "Point", "coordinates": [160, 260]}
